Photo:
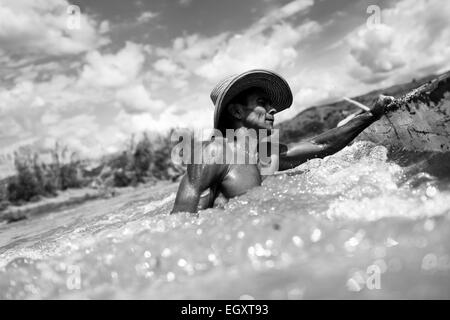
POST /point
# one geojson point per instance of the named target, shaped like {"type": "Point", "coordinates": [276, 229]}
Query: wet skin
{"type": "Point", "coordinates": [206, 185]}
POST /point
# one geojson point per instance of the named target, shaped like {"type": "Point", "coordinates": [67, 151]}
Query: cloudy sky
{"type": "Point", "coordinates": [150, 65]}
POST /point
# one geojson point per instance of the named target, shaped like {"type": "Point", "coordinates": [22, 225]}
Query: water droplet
{"type": "Point", "coordinates": [429, 262]}
{"type": "Point", "coordinates": [297, 241]}
{"type": "Point", "coordinates": [269, 243]}
{"type": "Point", "coordinates": [182, 263]}
{"type": "Point", "coordinates": [353, 285]}
{"type": "Point", "coordinates": [212, 257]}
{"type": "Point", "coordinates": [351, 244]}
{"type": "Point", "coordinates": [160, 226]}
{"type": "Point", "coordinates": [166, 253]}
{"type": "Point", "coordinates": [241, 234]}
{"type": "Point", "coordinates": [170, 276]}
{"type": "Point", "coordinates": [147, 254]}
{"type": "Point", "coordinates": [390, 242]}
{"type": "Point", "coordinates": [259, 250]}
{"type": "Point", "coordinates": [431, 191]}
{"type": "Point", "coordinates": [316, 235]}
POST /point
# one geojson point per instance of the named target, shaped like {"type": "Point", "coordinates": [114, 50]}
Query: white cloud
{"type": "Point", "coordinates": [39, 28]}
{"type": "Point", "coordinates": [136, 99]}
{"type": "Point", "coordinates": [146, 16]}
{"type": "Point", "coordinates": [191, 118]}
{"type": "Point", "coordinates": [184, 3]}
{"type": "Point", "coordinates": [123, 72]}
{"type": "Point", "coordinates": [274, 51]}
{"type": "Point", "coordinates": [168, 74]}
{"type": "Point", "coordinates": [166, 66]}
{"type": "Point", "coordinates": [104, 27]}
{"type": "Point", "coordinates": [369, 59]}
{"type": "Point", "coordinates": [412, 41]}
{"type": "Point", "coordinates": [146, 87]}
{"type": "Point", "coordinates": [50, 118]}
{"type": "Point", "coordinates": [293, 7]}
{"type": "Point", "coordinates": [80, 133]}
{"type": "Point", "coordinates": [9, 128]}
{"type": "Point", "coordinates": [113, 70]}
{"type": "Point", "coordinates": [275, 16]}
{"type": "Point", "coordinates": [48, 108]}
{"type": "Point", "coordinates": [20, 94]}
{"type": "Point", "coordinates": [270, 43]}
{"type": "Point", "coordinates": [314, 86]}
{"type": "Point", "coordinates": [194, 47]}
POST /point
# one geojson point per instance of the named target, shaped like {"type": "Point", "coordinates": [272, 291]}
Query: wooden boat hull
{"type": "Point", "coordinates": [419, 122]}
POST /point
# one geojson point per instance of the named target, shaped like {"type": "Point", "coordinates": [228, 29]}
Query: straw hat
{"type": "Point", "coordinates": [273, 84]}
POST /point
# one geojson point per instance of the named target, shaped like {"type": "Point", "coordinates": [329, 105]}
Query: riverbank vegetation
{"type": "Point", "coordinates": [43, 173]}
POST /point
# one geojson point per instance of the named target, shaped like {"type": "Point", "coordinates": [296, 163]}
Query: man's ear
{"type": "Point", "coordinates": [236, 110]}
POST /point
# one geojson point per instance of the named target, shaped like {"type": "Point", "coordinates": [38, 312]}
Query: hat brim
{"type": "Point", "coordinates": [273, 84]}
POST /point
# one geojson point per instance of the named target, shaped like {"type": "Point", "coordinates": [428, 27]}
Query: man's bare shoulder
{"type": "Point", "coordinates": [208, 161]}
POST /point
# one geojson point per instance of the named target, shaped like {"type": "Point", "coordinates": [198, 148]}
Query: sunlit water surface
{"type": "Point", "coordinates": [353, 225]}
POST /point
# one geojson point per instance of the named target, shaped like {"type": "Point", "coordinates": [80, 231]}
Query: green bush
{"type": "Point", "coordinates": [163, 167]}
{"type": "Point", "coordinates": [142, 158]}
{"type": "Point", "coordinates": [139, 162]}
{"type": "Point", "coordinates": [121, 179]}
{"type": "Point", "coordinates": [34, 179]}
{"type": "Point", "coordinates": [24, 186]}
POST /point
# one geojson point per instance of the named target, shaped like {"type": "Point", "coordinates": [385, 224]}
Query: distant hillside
{"type": "Point", "coordinates": [318, 119]}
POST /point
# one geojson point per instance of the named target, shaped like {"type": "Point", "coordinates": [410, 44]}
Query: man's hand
{"type": "Point", "coordinates": [380, 105]}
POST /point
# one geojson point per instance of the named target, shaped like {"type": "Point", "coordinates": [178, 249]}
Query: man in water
{"type": "Point", "coordinates": [246, 102]}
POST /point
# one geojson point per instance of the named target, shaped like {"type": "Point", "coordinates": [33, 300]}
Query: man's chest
{"type": "Point", "coordinates": [239, 179]}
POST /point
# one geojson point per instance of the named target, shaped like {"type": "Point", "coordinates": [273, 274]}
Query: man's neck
{"type": "Point", "coordinates": [244, 142]}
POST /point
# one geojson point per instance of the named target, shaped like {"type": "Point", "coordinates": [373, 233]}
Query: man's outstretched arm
{"type": "Point", "coordinates": [332, 140]}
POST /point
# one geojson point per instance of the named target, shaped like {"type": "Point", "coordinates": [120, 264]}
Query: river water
{"type": "Point", "coordinates": [354, 225]}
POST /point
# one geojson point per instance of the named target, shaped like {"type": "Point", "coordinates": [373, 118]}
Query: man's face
{"type": "Point", "coordinates": [258, 113]}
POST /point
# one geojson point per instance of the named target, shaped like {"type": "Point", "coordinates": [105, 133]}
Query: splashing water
{"type": "Point", "coordinates": [353, 225]}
